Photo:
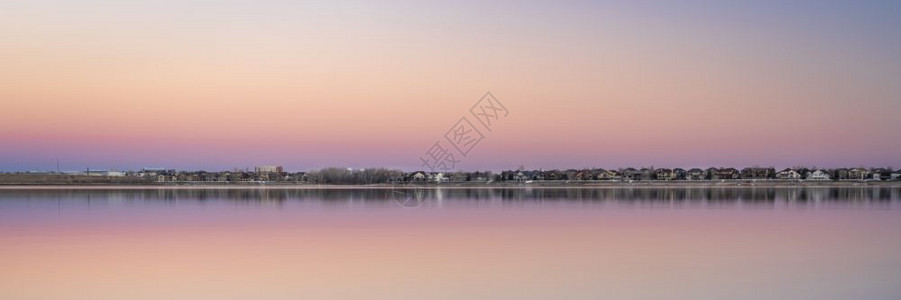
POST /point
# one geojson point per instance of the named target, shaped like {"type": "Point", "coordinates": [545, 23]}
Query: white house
{"type": "Point", "coordinates": [439, 177]}
{"type": "Point", "coordinates": [418, 176]}
{"type": "Point", "coordinates": [788, 174]}
{"type": "Point", "coordinates": [819, 175]}
{"type": "Point", "coordinates": [520, 176]}
{"type": "Point", "coordinates": [109, 173]}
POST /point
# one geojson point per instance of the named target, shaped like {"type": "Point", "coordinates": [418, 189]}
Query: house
{"type": "Point", "coordinates": [858, 174]}
{"type": "Point", "coordinates": [236, 176]}
{"type": "Point", "coordinates": [711, 172]}
{"type": "Point", "coordinates": [208, 176]}
{"type": "Point", "coordinates": [679, 174]}
{"type": "Point", "coordinates": [647, 174]}
{"type": "Point", "coordinates": [725, 173]}
{"type": "Point", "coordinates": [696, 174]}
{"type": "Point", "coordinates": [583, 175]}
{"type": "Point", "coordinates": [182, 177]}
{"type": "Point", "coordinates": [553, 175]}
{"type": "Point", "coordinates": [664, 174]}
{"type": "Point", "coordinates": [520, 176]}
{"type": "Point", "coordinates": [418, 176]}
{"type": "Point", "coordinates": [881, 174]}
{"type": "Point", "coordinates": [758, 173]}
{"type": "Point", "coordinates": [158, 171]}
{"type": "Point", "coordinates": [631, 174]}
{"type": "Point", "coordinates": [458, 177]}
{"type": "Point", "coordinates": [485, 176]}
{"type": "Point", "coordinates": [788, 174]}
{"type": "Point", "coordinates": [609, 175]}
{"type": "Point", "coordinates": [269, 169]}
{"type": "Point", "coordinates": [260, 176]}
{"type": "Point", "coordinates": [304, 177]}
{"type": "Point", "coordinates": [841, 174]}
{"type": "Point", "coordinates": [896, 175]}
{"type": "Point", "coordinates": [109, 173]}
{"type": "Point", "coordinates": [819, 175]}
{"type": "Point", "coordinates": [438, 177]}
{"type": "Point", "coordinates": [164, 178]}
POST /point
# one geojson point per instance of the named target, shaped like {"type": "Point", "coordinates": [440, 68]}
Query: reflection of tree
{"type": "Point", "coordinates": [406, 196]}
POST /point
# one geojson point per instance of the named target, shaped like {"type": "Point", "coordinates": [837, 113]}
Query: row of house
{"type": "Point", "coordinates": [751, 173]}
{"type": "Point", "coordinates": [371, 176]}
{"type": "Point", "coordinates": [259, 174]}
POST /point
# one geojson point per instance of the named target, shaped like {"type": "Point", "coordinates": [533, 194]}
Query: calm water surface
{"type": "Point", "coordinates": [643, 243]}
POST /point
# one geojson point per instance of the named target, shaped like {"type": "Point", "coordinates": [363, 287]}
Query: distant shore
{"type": "Point", "coordinates": [507, 184]}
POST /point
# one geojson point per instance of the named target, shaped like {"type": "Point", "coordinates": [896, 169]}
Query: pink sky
{"type": "Point", "coordinates": [192, 85]}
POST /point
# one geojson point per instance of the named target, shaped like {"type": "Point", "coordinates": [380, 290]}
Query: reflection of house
{"type": "Point", "coordinates": [758, 173]}
{"type": "Point", "coordinates": [819, 175]}
{"type": "Point", "coordinates": [696, 174]}
{"type": "Point", "coordinates": [788, 174]}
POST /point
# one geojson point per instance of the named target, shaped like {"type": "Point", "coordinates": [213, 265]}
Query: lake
{"type": "Point", "coordinates": [466, 243]}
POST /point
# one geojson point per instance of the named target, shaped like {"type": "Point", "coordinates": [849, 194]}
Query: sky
{"type": "Point", "coordinates": [219, 85]}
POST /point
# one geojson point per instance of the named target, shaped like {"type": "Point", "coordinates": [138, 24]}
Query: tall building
{"type": "Point", "coordinates": [269, 169]}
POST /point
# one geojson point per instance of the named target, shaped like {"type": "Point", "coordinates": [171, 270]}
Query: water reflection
{"type": "Point", "coordinates": [451, 243]}
{"type": "Point", "coordinates": [757, 197]}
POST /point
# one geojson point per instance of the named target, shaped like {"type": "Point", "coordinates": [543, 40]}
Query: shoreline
{"type": "Point", "coordinates": [498, 185]}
